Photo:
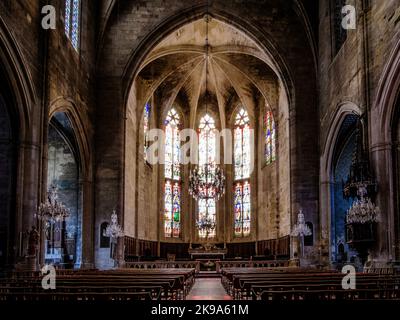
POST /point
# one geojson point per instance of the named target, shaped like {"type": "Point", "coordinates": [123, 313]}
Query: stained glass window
{"type": "Point", "coordinates": [270, 138]}
{"type": "Point", "coordinates": [340, 32]}
{"type": "Point", "coordinates": [242, 168]}
{"type": "Point", "coordinates": [207, 154]}
{"type": "Point", "coordinates": [146, 126]}
{"type": "Point", "coordinates": [242, 208]}
{"type": "Point", "coordinates": [207, 143]}
{"type": "Point", "coordinates": [242, 145]}
{"type": "Point", "coordinates": [172, 174]}
{"type": "Point", "coordinates": [72, 21]}
{"type": "Point", "coordinates": [172, 146]}
{"type": "Point", "coordinates": [207, 208]}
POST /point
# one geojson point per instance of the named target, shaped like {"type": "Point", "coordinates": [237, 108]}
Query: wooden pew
{"type": "Point", "coordinates": [289, 284]}
{"type": "Point", "coordinates": [118, 284]}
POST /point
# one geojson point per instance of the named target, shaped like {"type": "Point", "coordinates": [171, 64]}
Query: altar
{"type": "Point", "coordinates": [208, 253]}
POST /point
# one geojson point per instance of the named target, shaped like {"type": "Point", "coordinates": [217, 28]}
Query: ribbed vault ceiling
{"type": "Point", "coordinates": [237, 69]}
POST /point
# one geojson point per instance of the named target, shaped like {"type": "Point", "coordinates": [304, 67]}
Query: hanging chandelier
{"type": "Point", "coordinates": [360, 183]}
{"type": "Point", "coordinates": [360, 175]}
{"type": "Point", "coordinates": [363, 210]}
{"type": "Point", "coordinates": [52, 210]}
{"type": "Point", "coordinates": [114, 230]}
{"type": "Point", "coordinates": [301, 229]}
{"type": "Point", "coordinates": [207, 181]}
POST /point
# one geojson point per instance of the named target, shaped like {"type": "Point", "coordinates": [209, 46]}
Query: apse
{"type": "Point", "coordinates": [208, 72]}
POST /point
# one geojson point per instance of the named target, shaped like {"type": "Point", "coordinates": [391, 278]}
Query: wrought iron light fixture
{"type": "Point", "coordinates": [363, 215]}
{"type": "Point", "coordinates": [207, 182]}
{"type": "Point", "coordinates": [360, 175]}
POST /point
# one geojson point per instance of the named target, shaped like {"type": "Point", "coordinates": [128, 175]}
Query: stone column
{"type": "Point", "coordinates": [27, 191]}
{"type": "Point", "coordinates": [322, 239]}
{"type": "Point", "coordinates": [381, 157]}
{"type": "Point", "coordinates": [87, 224]}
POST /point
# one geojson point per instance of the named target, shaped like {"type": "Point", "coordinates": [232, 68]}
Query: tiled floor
{"type": "Point", "coordinates": [208, 289]}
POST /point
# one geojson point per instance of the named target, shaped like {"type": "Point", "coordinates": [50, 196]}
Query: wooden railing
{"type": "Point", "coordinates": [251, 264]}
{"type": "Point", "coordinates": [163, 265]}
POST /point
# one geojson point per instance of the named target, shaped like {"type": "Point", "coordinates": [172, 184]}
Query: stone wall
{"type": "Point", "coordinates": [53, 71]}
{"type": "Point", "coordinates": [351, 79]}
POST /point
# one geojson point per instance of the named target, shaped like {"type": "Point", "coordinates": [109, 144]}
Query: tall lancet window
{"type": "Point", "coordinates": [207, 154]}
{"type": "Point", "coordinates": [72, 21]}
{"type": "Point", "coordinates": [146, 127]}
{"type": "Point", "coordinates": [242, 171]}
{"type": "Point", "coordinates": [172, 175]}
{"type": "Point", "coordinates": [270, 138]}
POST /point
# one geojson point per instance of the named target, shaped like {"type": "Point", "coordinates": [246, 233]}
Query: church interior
{"type": "Point", "coordinates": [199, 150]}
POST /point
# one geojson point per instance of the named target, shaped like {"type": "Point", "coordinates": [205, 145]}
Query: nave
{"type": "Point", "coordinates": [232, 283]}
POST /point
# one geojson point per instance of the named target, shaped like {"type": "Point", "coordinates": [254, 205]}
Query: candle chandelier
{"type": "Point", "coordinates": [52, 210]}
{"type": "Point", "coordinates": [360, 183]}
{"type": "Point", "coordinates": [301, 229]}
{"type": "Point", "coordinates": [114, 230]}
{"type": "Point", "coordinates": [206, 181]}
{"type": "Point", "coordinates": [363, 210]}
{"type": "Point", "coordinates": [360, 176]}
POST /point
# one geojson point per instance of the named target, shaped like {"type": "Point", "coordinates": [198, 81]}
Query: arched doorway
{"type": "Point", "coordinates": [7, 185]}
{"type": "Point", "coordinates": [341, 162]}
{"type": "Point", "coordinates": [63, 244]}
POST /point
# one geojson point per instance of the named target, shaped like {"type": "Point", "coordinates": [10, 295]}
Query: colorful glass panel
{"type": "Point", "coordinates": [67, 18]}
{"type": "Point", "coordinates": [146, 126]}
{"type": "Point", "coordinates": [72, 21]}
{"type": "Point", "coordinates": [75, 23]}
{"type": "Point", "coordinates": [207, 154]}
{"type": "Point", "coordinates": [242, 171]}
{"type": "Point", "coordinates": [207, 208]}
{"type": "Point", "coordinates": [176, 210]}
{"type": "Point", "coordinates": [172, 174]}
{"type": "Point", "coordinates": [168, 209]}
{"type": "Point", "coordinates": [270, 138]}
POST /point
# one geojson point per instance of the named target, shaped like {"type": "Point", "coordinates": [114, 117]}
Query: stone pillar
{"type": "Point", "coordinates": [381, 157]}
{"type": "Point", "coordinates": [87, 224]}
{"type": "Point", "coordinates": [120, 259]}
{"type": "Point", "coordinates": [323, 238]}
{"type": "Point", "coordinates": [27, 191]}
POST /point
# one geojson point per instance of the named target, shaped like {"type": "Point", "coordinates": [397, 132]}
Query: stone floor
{"type": "Point", "coordinates": [208, 289]}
